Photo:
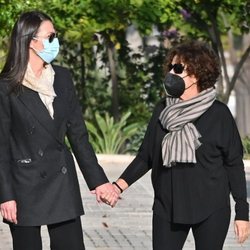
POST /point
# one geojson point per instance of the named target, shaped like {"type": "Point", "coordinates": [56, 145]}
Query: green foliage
{"type": "Point", "coordinates": [136, 140]}
{"type": "Point", "coordinates": [10, 10]}
{"type": "Point", "coordinates": [95, 25]}
{"type": "Point", "coordinates": [87, 28]}
{"type": "Point", "coordinates": [198, 17]}
{"type": "Point", "coordinates": [108, 136]}
{"type": "Point", "coordinates": [217, 21]}
{"type": "Point", "coordinates": [246, 147]}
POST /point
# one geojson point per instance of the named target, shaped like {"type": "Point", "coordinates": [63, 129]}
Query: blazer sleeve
{"type": "Point", "coordinates": [81, 147]}
{"type": "Point", "coordinates": [233, 155]}
{"type": "Point", "coordinates": [6, 189]}
{"type": "Point", "coordinates": [142, 163]}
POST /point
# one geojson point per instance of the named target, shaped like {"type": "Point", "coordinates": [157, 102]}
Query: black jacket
{"type": "Point", "coordinates": [189, 193]}
{"type": "Point", "coordinates": [36, 167]}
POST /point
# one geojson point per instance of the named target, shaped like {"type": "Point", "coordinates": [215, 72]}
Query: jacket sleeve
{"type": "Point", "coordinates": [142, 163]}
{"type": "Point", "coordinates": [6, 189]}
{"type": "Point", "coordinates": [233, 155]}
{"type": "Point", "coordinates": [81, 147]}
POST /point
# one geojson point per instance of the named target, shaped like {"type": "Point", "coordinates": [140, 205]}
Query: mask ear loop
{"type": "Point", "coordinates": [34, 38]}
{"type": "Point", "coordinates": [34, 49]}
{"type": "Point", "coordinates": [191, 85]}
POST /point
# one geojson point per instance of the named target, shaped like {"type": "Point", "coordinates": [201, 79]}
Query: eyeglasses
{"type": "Point", "coordinates": [177, 67]}
{"type": "Point", "coordinates": [51, 37]}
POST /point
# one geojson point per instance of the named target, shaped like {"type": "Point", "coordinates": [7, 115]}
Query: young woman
{"type": "Point", "coordinates": [38, 107]}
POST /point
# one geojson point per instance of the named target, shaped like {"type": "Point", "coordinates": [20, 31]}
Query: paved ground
{"type": "Point", "coordinates": [128, 225]}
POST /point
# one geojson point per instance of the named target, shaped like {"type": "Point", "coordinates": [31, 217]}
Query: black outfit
{"type": "Point", "coordinates": [208, 234]}
{"type": "Point", "coordinates": [189, 193]}
{"type": "Point", "coordinates": [63, 236]}
{"type": "Point", "coordinates": [36, 167]}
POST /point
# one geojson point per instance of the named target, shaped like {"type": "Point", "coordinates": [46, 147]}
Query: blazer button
{"type": "Point", "coordinates": [43, 174]}
{"type": "Point", "coordinates": [30, 130]}
{"type": "Point", "coordinates": [64, 170]}
{"type": "Point", "coordinates": [60, 148]}
{"type": "Point", "coordinates": [40, 152]}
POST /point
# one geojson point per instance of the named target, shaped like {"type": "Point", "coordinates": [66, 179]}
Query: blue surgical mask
{"type": "Point", "coordinates": [50, 51]}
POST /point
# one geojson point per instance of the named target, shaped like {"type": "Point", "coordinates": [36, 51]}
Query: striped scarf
{"type": "Point", "coordinates": [180, 143]}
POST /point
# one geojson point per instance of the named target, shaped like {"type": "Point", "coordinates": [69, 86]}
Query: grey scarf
{"type": "Point", "coordinates": [180, 143]}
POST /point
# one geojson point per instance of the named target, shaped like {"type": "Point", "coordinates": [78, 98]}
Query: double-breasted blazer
{"type": "Point", "coordinates": [36, 167]}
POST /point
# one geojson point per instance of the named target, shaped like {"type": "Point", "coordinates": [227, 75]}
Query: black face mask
{"type": "Point", "coordinates": [174, 85]}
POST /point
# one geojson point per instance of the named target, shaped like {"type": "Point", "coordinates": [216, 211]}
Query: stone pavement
{"type": "Point", "coordinates": [128, 225]}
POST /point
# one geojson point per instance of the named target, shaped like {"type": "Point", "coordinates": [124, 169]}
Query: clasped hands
{"type": "Point", "coordinates": [107, 193]}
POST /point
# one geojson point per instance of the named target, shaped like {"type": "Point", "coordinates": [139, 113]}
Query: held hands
{"type": "Point", "coordinates": [106, 193]}
{"type": "Point", "coordinates": [242, 230]}
{"type": "Point", "coordinates": [9, 211]}
{"type": "Point", "coordinates": [119, 186]}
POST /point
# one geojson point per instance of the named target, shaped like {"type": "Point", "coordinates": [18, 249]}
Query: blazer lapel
{"type": "Point", "coordinates": [59, 105]}
{"type": "Point", "coordinates": [34, 104]}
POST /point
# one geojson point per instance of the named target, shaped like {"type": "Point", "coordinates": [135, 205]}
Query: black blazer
{"type": "Point", "coordinates": [188, 193]}
{"type": "Point", "coordinates": [36, 167]}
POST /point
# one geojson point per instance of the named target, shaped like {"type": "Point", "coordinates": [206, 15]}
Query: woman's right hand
{"type": "Point", "coordinates": [242, 230]}
{"type": "Point", "coordinates": [9, 211]}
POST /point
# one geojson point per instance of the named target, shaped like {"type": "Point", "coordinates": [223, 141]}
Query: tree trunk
{"type": "Point", "coordinates": [82, 75]}
{"type": "Point", "coordinates": [242, 90]}
{"type": "Point", "coordinates": [112, 67]}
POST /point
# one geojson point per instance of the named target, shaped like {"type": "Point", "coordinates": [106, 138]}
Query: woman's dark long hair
{"type": "Point", "coordinates": [17, 59]}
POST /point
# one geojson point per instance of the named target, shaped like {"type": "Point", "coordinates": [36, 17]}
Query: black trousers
{"type": "Point", "coordinates": [209, 234]}
{"type": "Point", "coordinates": [63, 236]}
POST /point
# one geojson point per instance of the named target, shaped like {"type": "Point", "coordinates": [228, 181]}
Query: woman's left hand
{"type": "Point", "coordinates": [106, 193]}
{"type": "Point", "coordinates": [242, 230]}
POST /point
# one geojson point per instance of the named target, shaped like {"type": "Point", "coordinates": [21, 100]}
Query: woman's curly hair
{"type": "Point", "coordinates": [200, 60]}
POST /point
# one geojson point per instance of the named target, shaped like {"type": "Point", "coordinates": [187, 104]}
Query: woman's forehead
{"type": "Point", "coordinates": [177, 59]}
{"type": "Point", "coordinates": [46, 27]}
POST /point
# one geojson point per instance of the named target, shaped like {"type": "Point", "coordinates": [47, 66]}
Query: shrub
{"type": "Point", "coordinates": [246, 147]}
{"type": "Point", "coordinates": [110, 137]}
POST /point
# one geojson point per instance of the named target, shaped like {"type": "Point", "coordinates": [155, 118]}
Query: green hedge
{"type": "Point", "coordinates": [246, 147]}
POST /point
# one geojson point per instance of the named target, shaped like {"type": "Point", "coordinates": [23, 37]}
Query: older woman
{"type": "Point", "coordinates": [194, 150]}
{"type": "Point", "coordinates": [38, 107]}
